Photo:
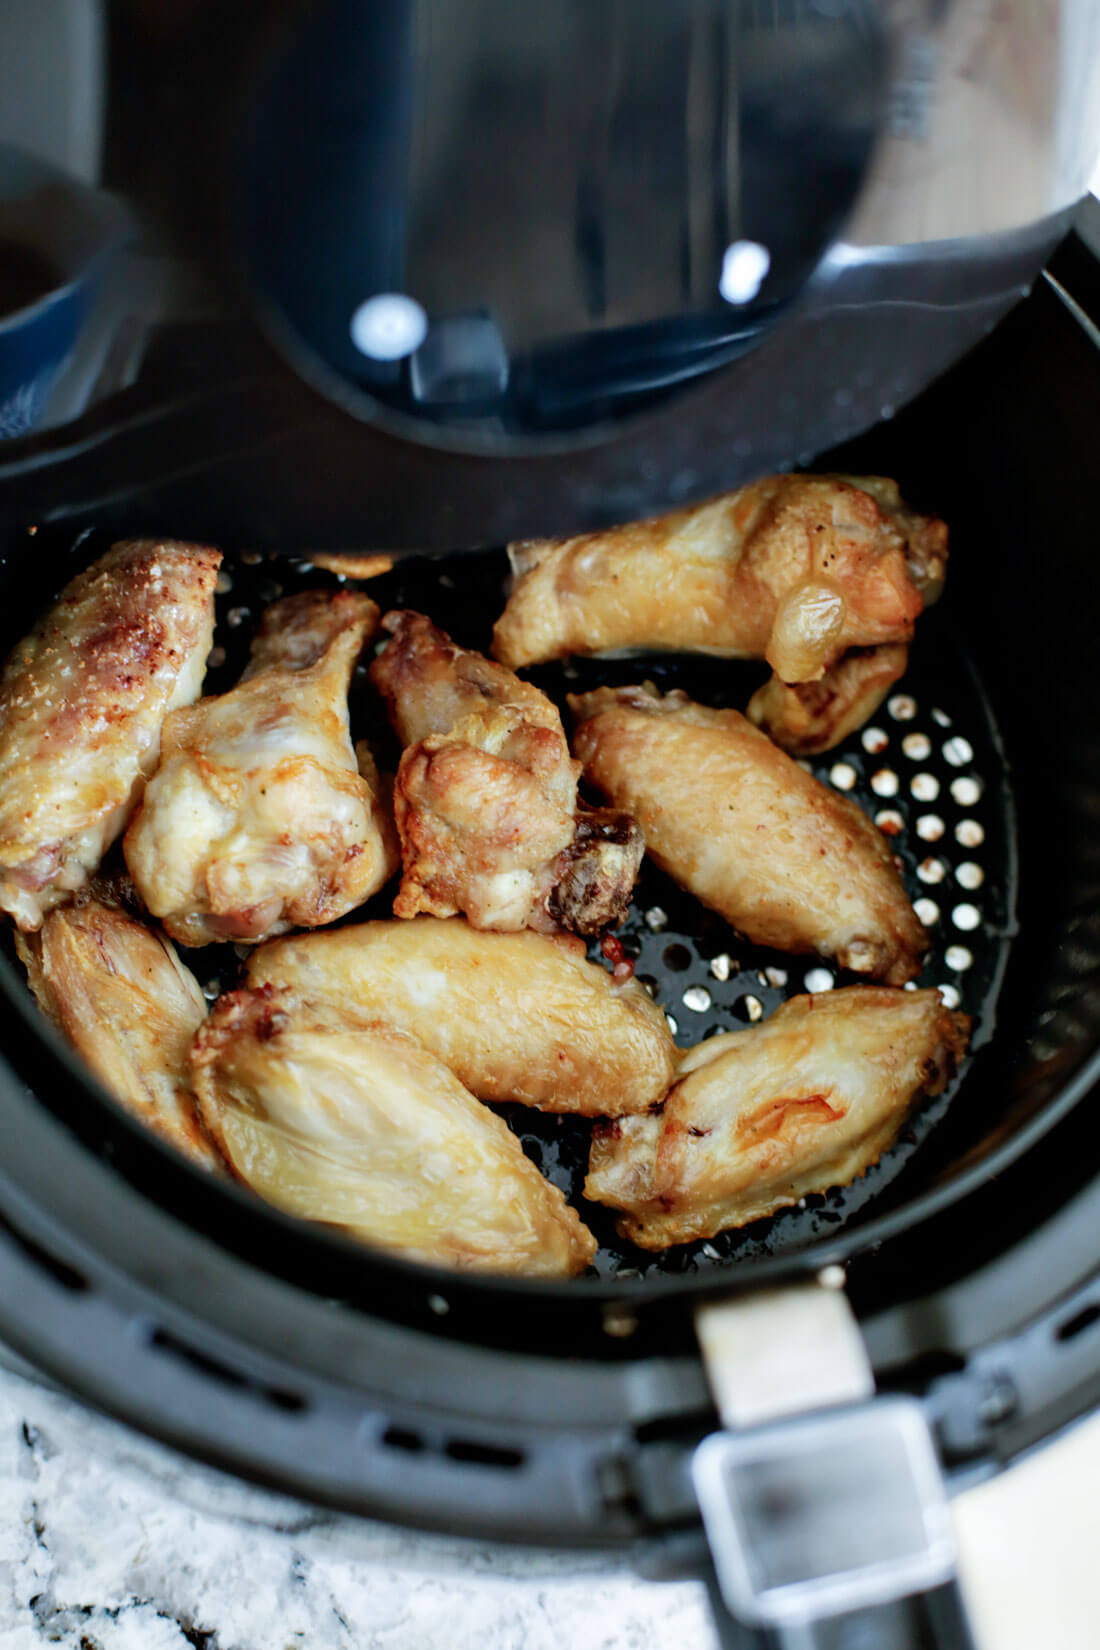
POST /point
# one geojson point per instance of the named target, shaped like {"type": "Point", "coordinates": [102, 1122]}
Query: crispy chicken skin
{"type": "Point", "coordinates": [130, 1009]}
{"type": "Point", "coordinates": [358, 1126]}
{"type": "Point", "coordinates": [82, 702]}
{"type": "Point", "coordinates": [760, 1118]}
{"type": "Point", "coordinates": [793, 569]}
{"type": "Point", "coordinates": [486, 795]}
{"type": "Point", "coordinates": [737, 822]}
{"type": "Point", "coordinates": [258, 817]}
{"type": "Point", "coordinates": [515, 1016]}
{"type": "Point", "coordinates": [807, 718]}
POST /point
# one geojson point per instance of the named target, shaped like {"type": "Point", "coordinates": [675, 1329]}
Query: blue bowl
{"type": "Point", "coordinates": [74, 228]}
{"type": "Point", "coordinates": [35, 344]}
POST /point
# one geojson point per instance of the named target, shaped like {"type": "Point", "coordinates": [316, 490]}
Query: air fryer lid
{"type": "Point", "coordinates": [317, 1361]}
{"type": "Point", "coordinates": [580, 219]}
{"type": "Point", "coordinates": [558, 214]}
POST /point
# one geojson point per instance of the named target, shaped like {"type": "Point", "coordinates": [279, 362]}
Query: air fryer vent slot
{"type": "Point", "coordinates": [61, 1272]}
{"type": "Point", "coordinates": [483, 1455]}
{"type": "Point", "coordinates": [1072, 1327]}
{"type": "Point", "coordinates": [163, 1340]}
{"type": "Point", "coordinates": [473, 1452]}
{"type": "Point", "coordinates": [404, 1439]}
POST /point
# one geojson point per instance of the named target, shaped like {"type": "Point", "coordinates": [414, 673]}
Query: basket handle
{"type": "Point", "coordinates": [824, 1506]}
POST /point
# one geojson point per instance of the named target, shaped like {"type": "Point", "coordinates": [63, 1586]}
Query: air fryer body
{"type": "Point", "coordinates": [568, 1414]}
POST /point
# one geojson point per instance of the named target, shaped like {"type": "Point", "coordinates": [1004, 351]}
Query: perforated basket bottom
{"type": "Point", "coordinates": [928, 768]}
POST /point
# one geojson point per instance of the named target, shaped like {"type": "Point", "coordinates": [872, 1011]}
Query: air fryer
{"type": "Point", "coordinates": [572, 1414]}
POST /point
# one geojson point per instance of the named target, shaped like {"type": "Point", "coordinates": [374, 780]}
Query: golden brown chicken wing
{"type": "Point", "coordinates": [257, 817]}
{"type": "Point", "coordinates": [486, 795]}
{"type": "Point", "coordinates": [82, 703]}
{"type": "Point", "coordinates": [358, 1126]}
{"type": "Point", "coordinates": [759, 1118]}
{"type": "Point", "coordinates": [794, 569]}
{"type": "Point", "coordinates": [737, 822]}
{"type": "Point", "coordinates": [515, 1016]}
{"type": "Point", "coordinates": [807, 718]}
{"type": "Point", "coordinates": [125, 1002]}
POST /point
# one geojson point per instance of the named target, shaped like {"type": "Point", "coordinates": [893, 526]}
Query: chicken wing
{"type": "Point", "coordinates": [129, 1007]}
{"type": "Point", "coordinates": [257, 817]}
{"type": "Point", "coordinates": [82, 702]}
{"type": "Point", "coordinates": [737, 822]}
{"type": "Point", "coordinates": [793, 569]}
{"type": "Point", "coordinates": [486, 796]}
{"type": "Point", "coordinates": [358, 1126]}
{"type": "Point", "coordinates": [807, 718]}
{"type": "Point", "coordinates": [515, 1016]}
{"type": "Point", "coordinates": [759, 1118]}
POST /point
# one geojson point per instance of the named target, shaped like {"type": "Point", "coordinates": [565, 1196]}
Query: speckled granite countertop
{"type": "Point", "coordinates": [108, 1542]}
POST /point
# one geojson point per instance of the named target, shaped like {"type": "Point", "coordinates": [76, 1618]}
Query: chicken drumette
{"type": "Point", "coordinates": [486, 796]}
{"type": "Point", "coordinates": [258, 817]}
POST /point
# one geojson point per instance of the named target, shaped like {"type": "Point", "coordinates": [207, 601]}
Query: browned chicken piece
{"type": "Point", "coordinates": [739, 824]}
{"type": "Point", "coordinates": [486, 796]}
{"type": "Point", "coordinates": [82, 702]}
{"type": "Point", "coordinates": [807, 718]}
{"type": "Point", "coordinates": [258, 817]}
{"type": "Point", "coordinates": [515, 1016]}
{"type": "Point", "coordinates": [353, 564]}
{"type": "Point", "coordinates": [759, 1118]}
{"type": "Point", "coordinates": [356, 1125]}
{"type": "Point", "coordinates": [128, 1006]}
{"type": "Point", "coordinates": [792, 569]}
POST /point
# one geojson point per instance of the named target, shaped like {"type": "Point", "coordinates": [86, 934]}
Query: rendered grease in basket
{"type": "Point", "coordinates": [351, 1082]}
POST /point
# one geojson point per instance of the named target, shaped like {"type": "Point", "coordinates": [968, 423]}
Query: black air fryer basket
{"type": "Point", "coordinates": [569, 1413]}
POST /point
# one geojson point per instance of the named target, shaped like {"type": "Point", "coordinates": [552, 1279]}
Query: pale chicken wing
{"type": "Point", "coordinates": [486, 795]}
{"type": "Point", "coordinates": [357, 1126]}
{"type": "Point", "coordinates": [130, 1009]}
{"type": "Point", "coordinates": [807, 718]}
{"type": "Point", "coordinates": [760, 1118]}
{"type": "Point", "coordinates": [792, 569]}
{"type": "Point", "coordinates": [259, 817]}
{"type": "Point", "coordinates": [82, 702]}
{"type": "Point", "coordinates": [737, 822]}
{"type": "Point", "coordinates": [515, 1016]}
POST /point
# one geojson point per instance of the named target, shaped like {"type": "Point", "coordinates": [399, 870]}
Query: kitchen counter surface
{"type": "Point", "coordinates": [108, 1542]}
